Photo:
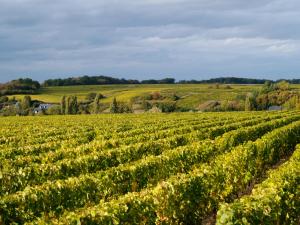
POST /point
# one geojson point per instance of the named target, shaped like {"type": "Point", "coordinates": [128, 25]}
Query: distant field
{"type": "Point", "coordinates": [191, 94]}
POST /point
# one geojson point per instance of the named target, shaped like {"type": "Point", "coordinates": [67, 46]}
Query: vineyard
{"type": "Point", "coordinates": [181, 168]}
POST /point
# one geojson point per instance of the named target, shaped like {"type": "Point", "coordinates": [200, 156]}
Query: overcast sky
{"type": "Point", "coordinates": [141, 39]}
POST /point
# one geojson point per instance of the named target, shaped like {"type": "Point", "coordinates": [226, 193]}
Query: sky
{"type": "Point", "coordinates": [143, 39]}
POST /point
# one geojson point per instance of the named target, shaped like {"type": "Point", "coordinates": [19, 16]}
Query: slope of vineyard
{"type": "Point", "coordinates": [145, 169]}
{"type": "Point", "coordinates": [275, 200]}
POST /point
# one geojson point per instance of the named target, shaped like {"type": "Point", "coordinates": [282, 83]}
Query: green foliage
{"type": "Point", "coordinates": [272, 94]}
{"type": "Point", "coordinates": [54, 110]}
{"type": "Point", "coordinates": [120, 107]}
{"type": "Point", "coordinates": [166, 106]}
{"type": "Point", "coordinates": [124, 108]}
{"type": "Point", "coordinates": [84, 109]}
{"type": "Point", "coordinates": [3, 99]}
{"type": "Point", "coordinates": [283, 86]}
{"type": "Point", "coordinates": [63, 105]}
{"type": "Point", "coordinates": [146, 105]}
{"type": "Point", "coordinates": [162, 81]}
{"type": "Point", "coordinates": [293, 103]}
{"type": "Point", "coordinates": [171, 97]}
{"type": "Point", "coordinates": [248, 104]}
{"type": "Point", "coordinates": [230, 106]}
{"type": "Point", "coordinates": [26, 102]}
{"type": "Point", "coordinates": [87, 80]}
{"type": "Point", "coordinates": [91, 96]}
{"type": "Point", "coordinates": [114, 106]}
{"type": "Point", "coordinates": [268, 87]}
{"type": "Point", "coordinates": [10, 110]}
{"type": "Point", "coordinates": [188, 198]}
{"type": "Point", "coordinates": [96, 103]}
{"type": "Point", "coordinates": [20, 86]}
{"type": "Point", "coordinates": [71, 105]}
{"type": "Point", "coordinates": [142, 169]}
{"type": "Point", "coordinates": [275, 201]}
{"type": "Point", "coordinates": [24, 108]}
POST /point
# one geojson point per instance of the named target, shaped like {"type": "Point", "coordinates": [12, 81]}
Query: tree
{"type": "Point", "coordinates": [283, 85]}
{"type": "Point", "coordinates": [83, 109]}
{"type": "Point", "coordinates": [63, 105]}
{"type": "Point", "coordinates": [4, 99]}
{"type": "Point", "coordinates": [91, 96]}
{"type": "Point", "coordinates": [73, 105]}
{"type": "Point", "coordinates": [248, 105]}
{"type": "Point", "coordinates": [114, 106]}
{"type": "Point", "coordinates": [97, 103]}
{"type": "Point", "coordinates": [146, 105]}
{"type": "Point", "coordinates": [262, 102]}
{"type": "Point", "coordinates": [167, 106]}
{"type": "Point", "coordinates": [26, 102]}
{"type": "Point", "coordinates": [20, 86]}
{"type": "Point", "coordinates": [267, 87]}
{"type": "Point", "coordinates": [292, 103]}
{"type": "Point", "coordinates": [23, 107]}
{"type": "Point", "coordinates": [124, 108]}
{"type": "Point", "coordinates": [54, 110]}
{"type": "Point", "coordinates": [67, 108]}
{"type": "Point", "coordinates": [9, 111]}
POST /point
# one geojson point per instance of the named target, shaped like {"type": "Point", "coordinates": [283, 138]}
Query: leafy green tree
{"type": "Point", "coordinates": [124, 108]}
{"type": "Point", "coordinates": [54, 110]}
{"type": "Point", "coordinates": [114, 108]}
{"type": "Point", "coordinates": [83, 109]}
{"type": "Point", "coordinates": [26, 102]}
{"type": "Point", "coordinates": [96, 104]}
{"type": "Point", "coordinates": [292, 103]}
{"type": "Point", "coordinates": [68, 106]}
{"type": "Point", "coordinates": [9, 111]}
{"type": "Point", "coordinates": [248, 105]}
{"type": "Point", "coordinates": [167, 106]}
{"type": "Point", "coordinates": [24, 106]}
{"type": "Point", "coordinates": [73, 104]}
{"type": "Point", "coordinates": [262, 102]}
{"type": "Point", "coordinates": [283, 85]}
{"type": "Point", "coordinates": [146, 105]}
{"type": "Point", "coordinates": [91, 96]}
{"type": "Point", "coordinates": [63, 105]}
{"type": "Point", "coordinates": [4, 99]}
{"type": "Point", "coordinates": [267, 87]}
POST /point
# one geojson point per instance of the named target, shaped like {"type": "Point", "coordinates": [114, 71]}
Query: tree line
{"type": "Point", "coordinates": [20, 86]}
{"type": "Point", "coordinates": [102, 80]}
{"type": "Point", "coordinates": [29, 86]}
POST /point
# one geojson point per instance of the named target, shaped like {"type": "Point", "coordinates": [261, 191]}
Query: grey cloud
{"type": "Point", "coordinates": [141, 39]}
